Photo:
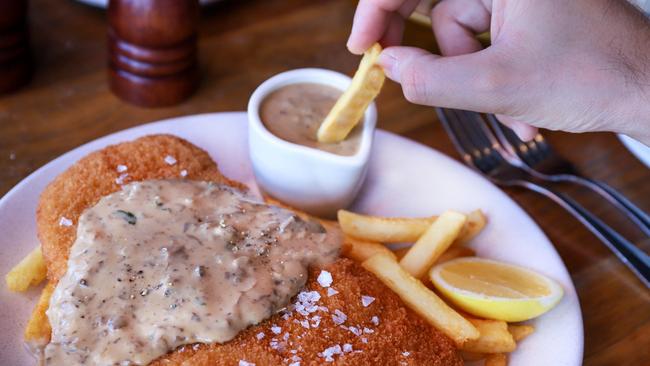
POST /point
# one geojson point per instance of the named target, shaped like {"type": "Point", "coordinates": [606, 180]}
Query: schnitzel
{"type": "Point", "coordinates": [384, 332]}
{"type": "Point", "coordinates": [354, 320]}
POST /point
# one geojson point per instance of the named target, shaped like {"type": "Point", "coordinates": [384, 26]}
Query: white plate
{"type": "Point", "coordinates": [405, 178]}
{"type": "Point", "coordinates": [641, 151]}
{"type": "Point", "coordinates": [104, 3]}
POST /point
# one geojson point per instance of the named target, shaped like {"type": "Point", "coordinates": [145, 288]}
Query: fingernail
{"type": "Point", "coordinates": [389, 63]}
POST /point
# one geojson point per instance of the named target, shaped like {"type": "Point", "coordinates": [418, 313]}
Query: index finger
{"type": "Point", "coordinates": [372, 20]}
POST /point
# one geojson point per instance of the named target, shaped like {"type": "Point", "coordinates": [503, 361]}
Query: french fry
{"type": "Point", "coordinates": [360, 250]}
{"type": "Point", "coordinates": [402, 229]}
{"type": "Point", "coordinates": [496, 359]}
{"type": "Point", "coordinates": [38, 328]}
{"type": "Point", "coordinates": [420, 299]}
{"type": "Point", "coordinates": [519, 332]}
{"type": "Point", "coordinates": [475, 223]}
{"type": "Point", "coordinates": [383, 229]}
{"type": "Point", "coordinates": [30, 271]}
{"type": "Point", "coordinates": [350, 107]}
{"type": "Point", "coordinates": [494, 337]}
{"type": "Point", "coordinates": [433, 243]}
{"type": "Point", "coordinates": [455, 251]}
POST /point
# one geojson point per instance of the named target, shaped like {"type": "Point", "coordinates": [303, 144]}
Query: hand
{"type": "Point", "coordinates": [580, 65]}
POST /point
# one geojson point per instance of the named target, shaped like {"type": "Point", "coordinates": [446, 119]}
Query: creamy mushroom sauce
{"type": "Point", "coordinates": [295, 112]}
{"type": "Point", "coordinates": [165, 263]}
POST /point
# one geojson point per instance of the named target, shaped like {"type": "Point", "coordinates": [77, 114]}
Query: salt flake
{"type": "Point", "coordinates": [64, 221]}
{"type": "Point", "coordinates": [366, 300]}
{"type": "Point", "coordinates": [260, 336]}
{"type": "Point", "coordinates": [329, 352]}
{"type": "Point", "coordinates": [276, 330]}
{"type": "Point", "coordinates": [339, 317]}
{"type": "Point", "coordinates": [306, 302]}
{"type": "Point", "coordinates": [122, 168]}
{"type": "Point", "coordinates": [183, 173]}
{"type": "Point", "coordinates": [331, 292]}
{"type": "Point", "coordinates": [356, 331]}
{"type": "Point", "coordinates": [244, 363]}
{"type": "Point", "coordinates": [324, 279]}
{"type": "Point", "coordinates": [375, 320]}
{"type": "Point", "coordinates": [170, 160]}
{"type": "Point", "coordinates": [406, 353]}
{"type": "Point", "coordinates": [347, 347]}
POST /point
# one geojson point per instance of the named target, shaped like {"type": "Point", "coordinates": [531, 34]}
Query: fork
{"type": "Point", "coordinates": [481, 150]}
{"type": "Point", "coordinates": [545, 164]}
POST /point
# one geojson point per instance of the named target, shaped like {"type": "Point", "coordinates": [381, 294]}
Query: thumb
{"type": "Point", "coordinates": [474, 81]}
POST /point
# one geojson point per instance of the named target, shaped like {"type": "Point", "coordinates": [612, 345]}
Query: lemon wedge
{"type": "Point", "coordinates": [495, 290]}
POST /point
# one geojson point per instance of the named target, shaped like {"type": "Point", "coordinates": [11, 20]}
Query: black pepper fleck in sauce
{"type": "Point", "coordinates": [176, 262]}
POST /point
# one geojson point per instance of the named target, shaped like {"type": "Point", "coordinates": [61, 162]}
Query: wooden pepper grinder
{"type": "Point", "coordinates": [15, 60]}
{"type": "Point", "coordinates": [153, 50]}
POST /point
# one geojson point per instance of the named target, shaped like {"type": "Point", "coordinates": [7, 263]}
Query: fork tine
{"type": "Point", "coordinates": [450, 123]}
{"type": "Point", "coordinates": [540, 147]}
{"type": "Point", "coordinates": [469, 130]}
{"type": "Point", "coordinates": [455, 126]}
{"type": "Point", "coordinates": [443, 116]}
{"type": "Point", "coordinates": [467, 126]}
{"type": "Point", "coordinates": [490, 146]}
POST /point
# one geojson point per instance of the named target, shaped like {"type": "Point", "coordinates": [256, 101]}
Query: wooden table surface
{"type": "Point", "coordinates": [244, 42]}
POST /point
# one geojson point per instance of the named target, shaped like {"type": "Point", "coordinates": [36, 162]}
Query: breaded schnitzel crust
{"type": "Point", "coordinates": [94, 177]}
{"type": "Point", "coordinates": [400, 338]}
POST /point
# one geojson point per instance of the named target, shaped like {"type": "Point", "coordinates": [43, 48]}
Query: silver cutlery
{"type": "Point", "coordinates": [481, 150]}
{"type": "Point", "coordinates": [545, 164]}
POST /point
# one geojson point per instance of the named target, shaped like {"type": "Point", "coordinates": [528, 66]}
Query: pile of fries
{"type": "Point", "coordinates": [435, 240]}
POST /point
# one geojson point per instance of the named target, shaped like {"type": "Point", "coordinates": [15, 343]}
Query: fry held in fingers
{"type": "Point", "coordinates": [350, 107]}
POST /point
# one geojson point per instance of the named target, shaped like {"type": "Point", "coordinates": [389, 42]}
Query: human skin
{"type": "Point", "coordinates": [578, 66]}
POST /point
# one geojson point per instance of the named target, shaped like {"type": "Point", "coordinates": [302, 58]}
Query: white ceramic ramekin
{"type": "Point", "coordinates": [312, 180]}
